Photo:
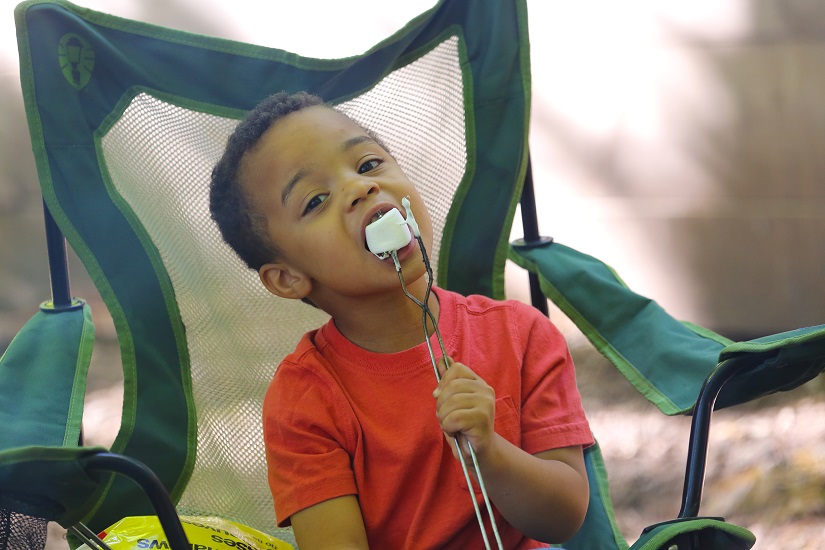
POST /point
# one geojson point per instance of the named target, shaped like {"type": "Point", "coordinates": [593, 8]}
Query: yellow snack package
{"type": "Point", "coordinates": [204, 533]}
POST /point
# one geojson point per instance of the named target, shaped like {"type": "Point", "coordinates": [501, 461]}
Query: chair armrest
{"type": "Point", "coordinates": [666, 360]}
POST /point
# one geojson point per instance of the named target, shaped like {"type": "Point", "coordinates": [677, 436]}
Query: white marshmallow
{"type": "Point", "coordinates": [405, 202]}
{"type": "Point", "coordinates": [388, 234]}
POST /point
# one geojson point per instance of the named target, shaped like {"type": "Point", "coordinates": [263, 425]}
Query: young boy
{"type": "Point", "coordinates": [359, 439]}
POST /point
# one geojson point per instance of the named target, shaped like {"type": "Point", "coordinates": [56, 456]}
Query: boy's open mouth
{"type": "Point", "coordinates": [386, 233]}
{"type": "Point", "coordinates": [377, 216]}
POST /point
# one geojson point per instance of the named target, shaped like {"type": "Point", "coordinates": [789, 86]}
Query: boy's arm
{"type": "Point", "coordinates": [544, 496]}
{"type": "Point", "coordinates": [334, 524]}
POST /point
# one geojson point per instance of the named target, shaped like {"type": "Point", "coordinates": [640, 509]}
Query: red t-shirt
{"type": "Point", "coordinates": [340, 420]}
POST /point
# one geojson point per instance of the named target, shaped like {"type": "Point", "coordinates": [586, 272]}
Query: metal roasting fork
{"type": "Point", "coordinates": [427, 313]}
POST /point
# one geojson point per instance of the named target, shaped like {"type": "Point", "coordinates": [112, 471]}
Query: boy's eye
{"type": "Point", "coordinates": [369, 165]}
{"type": "Point", "coordinates": [315, 202]}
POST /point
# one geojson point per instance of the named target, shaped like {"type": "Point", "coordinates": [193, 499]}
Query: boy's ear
{"type": "Point", "coordinates": [281, 280]}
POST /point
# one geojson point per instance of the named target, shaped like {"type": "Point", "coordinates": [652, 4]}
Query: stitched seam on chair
{"type": "Point", "coordinates": [636, 378]}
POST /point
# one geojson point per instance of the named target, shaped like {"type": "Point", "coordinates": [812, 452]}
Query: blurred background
{"type": "Point", "coordinates": [681, 142]}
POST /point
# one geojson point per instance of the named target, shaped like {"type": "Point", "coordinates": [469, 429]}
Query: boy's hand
{"type": "Point", "coordinates": [465, 405]}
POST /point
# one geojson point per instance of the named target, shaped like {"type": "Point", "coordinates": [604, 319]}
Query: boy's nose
{"type": "Point", "coordinates": [359, 189]}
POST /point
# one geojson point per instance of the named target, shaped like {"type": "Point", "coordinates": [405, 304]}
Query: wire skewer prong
{"type": "Point", "coordinates": [428, 314]}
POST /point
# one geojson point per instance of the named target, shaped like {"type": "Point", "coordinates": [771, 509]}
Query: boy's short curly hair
{"type": "Point", "coordinates": [240, 224]}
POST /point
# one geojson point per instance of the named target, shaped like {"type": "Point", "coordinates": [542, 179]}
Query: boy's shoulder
{"type": "Point", "coordinates": [305, 370]}
{"type": "Point", "coordinates": [482, 314]}
{"type": "Point", "coordinates": [307, 357]}
{"type": "Point", "coordinates": [480, 304]}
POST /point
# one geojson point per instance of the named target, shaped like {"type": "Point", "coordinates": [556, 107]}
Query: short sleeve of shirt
{"type": "Point", "coordinates": [307, 434]}
{"type": "Point", "coordinates": [552, 415]}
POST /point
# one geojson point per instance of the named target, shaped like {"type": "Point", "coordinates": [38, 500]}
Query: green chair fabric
{"type": "Point", "coordinates": [104, 95]}
{"type": "Point", "coordinates": [619, 323]}
{"type": "Point", "coordinates": [695, 533]}
{"type": "Point", "coordinates": [127, 120]}
{"type": "Point", "coordinates": [665, 359]}
{"type": "Point", "coordinates": [600, 531]}
{"type": "Point", "coordinates": [42, 421]}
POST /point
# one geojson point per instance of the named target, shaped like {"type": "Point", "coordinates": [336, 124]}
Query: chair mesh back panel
{"type": "Point", "coordinates": [125, 143]}
{"type": "Point", "coordinates": [236, 331]}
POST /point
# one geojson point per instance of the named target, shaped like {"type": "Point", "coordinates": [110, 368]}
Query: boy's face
{"type": "Point", "coordinates": [319, 179]}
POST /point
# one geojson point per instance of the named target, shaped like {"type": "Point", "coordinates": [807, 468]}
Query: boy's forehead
{"type": "Point", "coordinates": [294, 141]}
{"type": "Point", "coordinates": [307, 132]}
{"type": "Point", "coordinates": [317, 120]}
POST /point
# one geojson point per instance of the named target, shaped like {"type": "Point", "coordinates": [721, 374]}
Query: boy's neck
{"type": "Point", "coordinates": [389, 325]}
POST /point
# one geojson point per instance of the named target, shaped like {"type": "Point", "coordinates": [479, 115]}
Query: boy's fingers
{"type": "Point", "coordinates": [451, 442]}
{"type": "Point", "coordinates": [442, 365]}
{"type": "Point", "coordinates": [451, 372]}
{"type": "Point", "coordinates": [462, 441]}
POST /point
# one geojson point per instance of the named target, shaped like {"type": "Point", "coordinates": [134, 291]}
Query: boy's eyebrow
{"type": "Point", "coordinates": [352, 142]}
{"type": "Point", "coordinates": [290, 186]}
{"type": "Point", "coordinates": [300, 174]}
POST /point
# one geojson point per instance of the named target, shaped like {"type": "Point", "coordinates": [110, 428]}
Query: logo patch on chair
{"type": "Point", "coordinates": [77, 59]}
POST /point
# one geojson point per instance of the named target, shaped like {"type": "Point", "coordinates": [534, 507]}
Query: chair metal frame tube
{"type": "Point", "coordinates": [58, 263]}
{"type": "Point", "coordinates": [530, 224]}
{"type": "Point", "coordinates": [146, 479]}
{"type": "Point", "coordinates": [699, 435]}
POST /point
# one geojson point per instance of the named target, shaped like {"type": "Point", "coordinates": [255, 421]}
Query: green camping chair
{"type": "Point", "coordinates": [127, 120]}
